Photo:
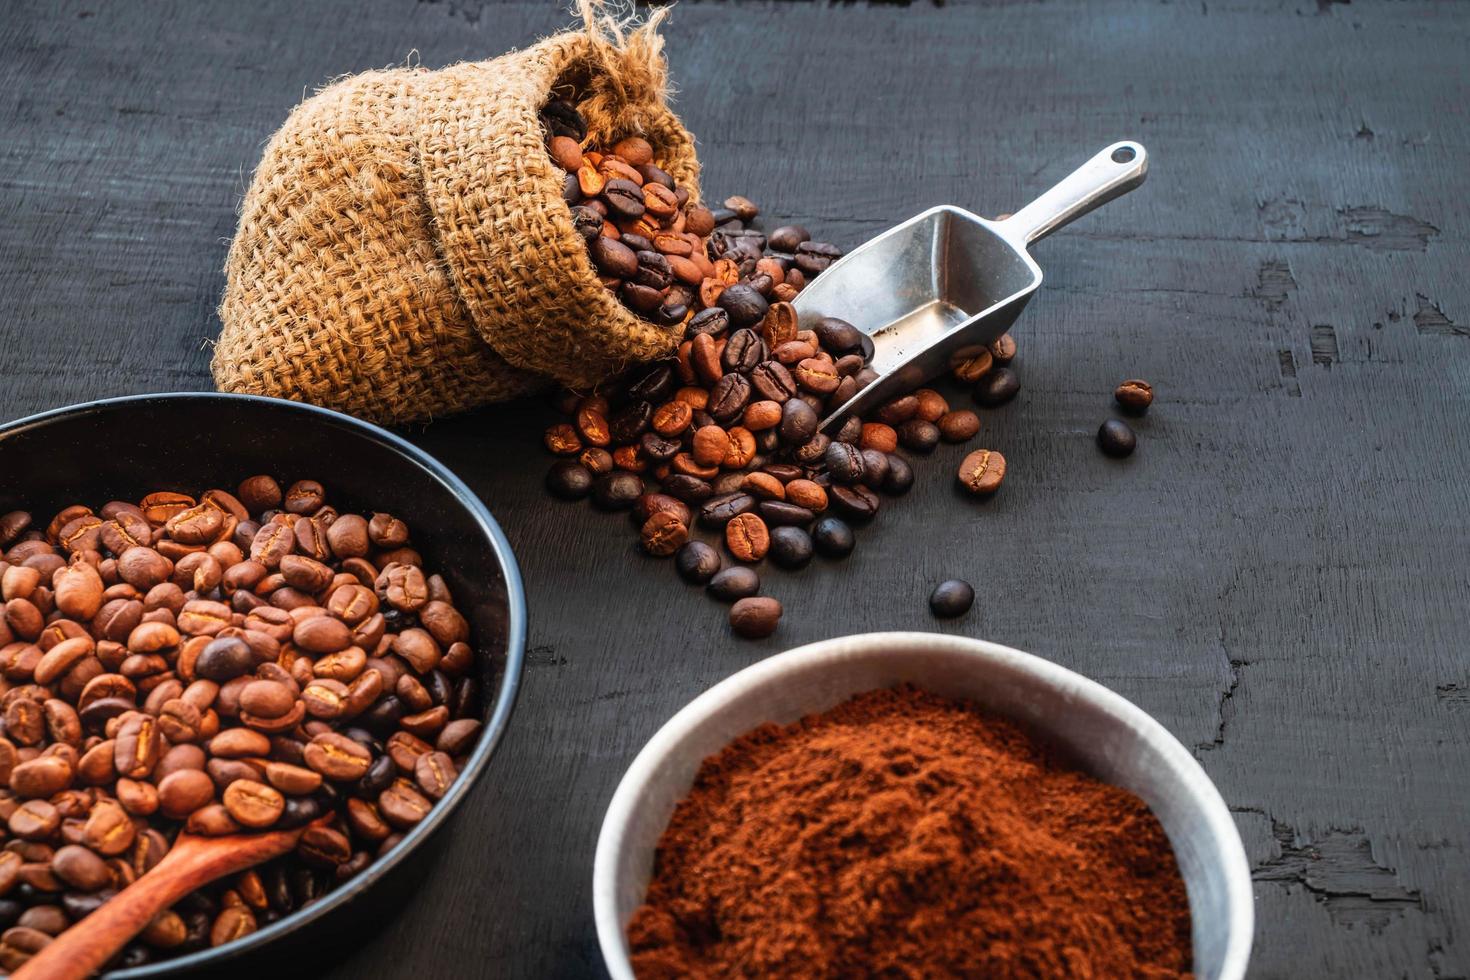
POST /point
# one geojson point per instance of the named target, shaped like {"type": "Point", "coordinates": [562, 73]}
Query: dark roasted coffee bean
{"type": "Point", "coordinates": [814, 257]}
{"type": "Point", "coordinates": [713, 321]}
{"type": "Point", "coordinates": [900, 477]}
{"type": "Point", "coordinates": [788, 238]}
{"type": "Point", "coordinates": [657, 448]}
{"type": "Point", "coordinates": [767, 441]}
{"type": "Point", "coordinates": [833, 538]}
{"type": "Point", "coordinates": [636, 242]}
{"type": "Point", "coordinates": [844, 462]}
{"type": "Point", "coordinates": [798, 422]}
{"type": "Point", "coordinates": [641, 298]}
{"type": "Point", "coordinates": [837, 335]}
{"type": "Point", "coordinates": [918, 435]}
{"type": "Point", "coordinates": [857, 502]}
{"type": "Point", "coordinates": [727, 483]}
{"type": "Point", "coordinates": [690, 489]}
{"type": "Point", "coordinates": [772, 381]}
{"type": "Point", "coordinates": [729, 397]}
{"type": "Point", "coordinates": [1135, 396]}
{"type": "Point", "coordinates": [613, 258]}
{"type": "Point", "coordinates": [851, 431]}
{"type": "Point", "coordinates": [587, 222]}
{"type": "Point", "coordinates": [743, 351]}
{"type": "Point", "coordinates": [1115, 438]}
{"type": "Point", "coordinates": [656, 385]}
{"type": "Point", "coordinates": [735, 582]}
{"type": "Point", "coordinates": [571, 190]}
{"type": "Point", "coordinates": [779, 513]}
{"type": "Point", "coordinates": [791, 547]}
{"type": "Point", "coordinates": [785, 472]}
{"type": "Point", "coordinates": [951, 598]}
{"type": "Point", "coordinates": [617, 490]}
{"type": "Point", "coordinates": [568, 480]}
{"type": "Point", "coordinates": [755, 617]}
{"type": "Point", "coordinates": [563, 119]}
{"type": "Point", "coordinates": [744, 303]}
{"type": "Point", "coordinates": [697, 562]}
{"type": "Point", "coordinates": [629, 422]}
{"type": "Point", "coordinates": [719, 511]}
{"type": "Point", "coordinates": [624, 198]}
{"type": "Point", "coordinates": [653, 272]}
{"type": "Point", "coordinates": [1003, 349]}
{"type": "Point", "coordinates": [997, 387]}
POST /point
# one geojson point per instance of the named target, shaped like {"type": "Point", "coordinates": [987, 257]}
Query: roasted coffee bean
{"type": "Point", "coordinates": [1135, 395]}
{"type": "Point", "coordinates": [900, 477]}
{"type": "Point", "coordinates": [719, 511]}
{"type": "Point", "coordinates": [982, 471]}
{"type": "Point", "coordinates": [798, 422]}
{"type": "Point", "coordinates": [613, 258]}
{"type": "Point", "coordinates": [837, 335]}
{"type": "Point", "coordinates": [663, 534]}
{"type": "Point", "coordinates": [844, 462]}
{"type": "Point", "coordinates": [402, 805]}
{"type": "Point", "coordinates": [586, 221]}
{"type": "Point", "coordinates": [624, 198]}
{"type": "Point", "coordinates": [951, 598]}
{"type": "Point", "coordinates": [743, 352]}
{"type": "Point", "coordinates": [690, 489]}
{"type": "Point", "coordinates": [630, 422]}
{"type": "Point", "coordinates": [788, 238]}
{"type": "Point", "coordinates": [697, 562]}
{"type": "Point", "coordinates": [568, 480]}
{"type": "Point", "coordinates": [958, 426]}
{"type": "Point", "coordinates": [813, 450]}
{"type": "Point", "coordinates": [791, 547]}
{"type": "Point", "coordinates": [997, 387]}
{"type": "Point", "coordinates": [713, 320]}
{"type": "Point", "coordinates": [744, 303]}
{"type": "Point", "coordinates": [729, 397]}
{"type": "Point", "coordinates": [779, 513]}
{"type": "Point", "coordinates": [1116, 439]}
{"type": "Point", "coordinates": [617, 490]}
{"type": "Point", "coordinates": [755, 617]}
{"type": "Point", "coordinates": [773, 382]}
{"type": "Point", "coordinates": [733, 583]}
{"type": "Point", "coordinates": [1003, 349]}
{"type": "Point", "coordinates": [856, 502]}
{"type": "Point", "coordinates": [747, 537]}
{"type": "Point", "coordinates": [875, 467]}
{"type": "Point", "coordinates": [833, 538]}
{"type": "Point", "coordinates": [918, 435]}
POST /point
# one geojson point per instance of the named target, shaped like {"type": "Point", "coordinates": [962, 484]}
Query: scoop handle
{"type": "Point", "coordinates": [1112, 173]}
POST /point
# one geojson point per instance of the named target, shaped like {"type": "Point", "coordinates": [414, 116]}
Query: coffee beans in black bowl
{"type": "Point", "coordinates": [296, 614]}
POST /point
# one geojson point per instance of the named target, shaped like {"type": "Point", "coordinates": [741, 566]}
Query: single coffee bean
{"type": "Point", "coordinates": [875, 467]}
{"type": "Point", "coordinates": [743, 352]}
{"type": "Point", "coordinates": [720, 511]}
{"type": "Point", "coordinates": [856, 502]}
{"type": "Point", "coordinates": [844, 462]}
{"type": "Point", "coordinates": [697, 562]}
{"type": "Point", "coordinates": [788, 238]}
{"type": "Point", "coordinates": [791, 547]}
{"type": "Point", "coordinates": [712, 320]}
{"type": "Point", "coordinates": [253, 804]}
{"type": "Point", "coordinates": [623, 197]}
{"type": "Point", "coordinates": [798, 422]}
{"type": "Point", "coordinates": [630, 422]}
{"type": "Point", "coordinates": [997, 387]}
{"type": "Point", "coordinates": [1116, 439]}
{"type": "Point", "coordinates": [617, 490]}
{"type": "Point", "coordinates": [833, 538]}
{"type": "Point", "coordinates": [773, 382]}
{"type": "Point", "coordinates": [918, 435]}
{"type": "Point", "coordinates": [1135, 395]}
{"type": "Point", "coordinates": [951, 598]}
{"type": "Point", "coordinates": [745, 305]}
{"type": "Point", "coordinates": [733, 583]}
{"type": "Point", "coordinates": [982, 471]}
{"type": "Point", "coordinates": [690, 489]}
{"type": "Point", "coordinates": [780, 513]}
{"type": "Point", "coordinates": [568, 480]}
{"type": "Point", "coordinates": [813, 450]}
{"type": "Point", "coordinates": [729, 397]}
{"type": "Point", "coordinates": [755, 617]}
{"type": "Point", "coordinates": [837, 335]}
{"type": "Point", "coordinates": [613, 258]}
{"type": "Point", "coordinates": [663, 534]}
{"type": "Point", "coordinates": [958, 426]}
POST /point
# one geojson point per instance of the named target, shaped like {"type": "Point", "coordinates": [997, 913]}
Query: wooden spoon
{"type": "Point", "coordinates": [191, 863]}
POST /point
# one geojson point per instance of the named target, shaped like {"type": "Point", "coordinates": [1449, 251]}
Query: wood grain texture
{"type": "Point", "coordinates": [1279, 574]}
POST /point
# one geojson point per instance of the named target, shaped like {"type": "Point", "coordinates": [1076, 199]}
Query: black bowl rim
{"type": "Point", "coordinates": [494, 727]}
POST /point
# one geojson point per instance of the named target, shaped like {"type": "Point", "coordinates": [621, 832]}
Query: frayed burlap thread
{"type": "Point", "coordinates": [404, 251]}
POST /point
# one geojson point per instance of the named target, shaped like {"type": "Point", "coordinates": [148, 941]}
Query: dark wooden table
{"type": "Point", "coordinates": [1281, 574]}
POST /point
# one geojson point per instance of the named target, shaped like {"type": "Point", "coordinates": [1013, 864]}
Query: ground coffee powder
{"type": "Point", "coordinates": [903, 834]}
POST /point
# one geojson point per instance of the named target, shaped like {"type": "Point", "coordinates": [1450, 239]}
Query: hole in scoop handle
{"type": "Point", "coordinates": [1112, 173]}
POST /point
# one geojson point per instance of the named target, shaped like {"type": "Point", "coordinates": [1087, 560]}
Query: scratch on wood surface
{"type": "Point", "coordinates": [1274, 283]}
{"type": "Point", "coordinates": [1287, 363]}
{"type": "Point", "coordinates": [1430, 319]}
{"type": "Point", "coordinates": [1324, 344]}
{"type": "Point", "coordinates": [1452, 693]}
{"type": "Point", "coordinates": [1369, 225]}
{"type": "Point", "coordinates": [1340, 871]}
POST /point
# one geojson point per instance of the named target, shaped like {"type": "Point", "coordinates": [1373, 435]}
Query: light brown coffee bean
{"type": "Point", "coordinates": [239, 743]}
{"type": "Point", "coordinates": [1135, 394]}
{"type": "Point", "coordinates": [253, 804]}
{"type": "Point", "coordinates": [267, 699]}
{"type": "Point", "coordinates": [109, 830]}
{"type": "Point", "coordinates": [232, 924]}
{"type": "Point", "coordinates": [747, 537]}
{"type": "Point", "coordinates": [434, 772]}
{"type": "Point", "coordinates": [418, 648]}
{"type": "Point", "coordinates": [293, 780]}
{"type": "Point", "coordinates": [958, 426]}
{"type": "Point", "coordinates": [337, 757]}
{"type": "Point", "coordinates": [402, 805]}
{"type": "Point", "coordinates": [80, 868]}
{"type": "Point", "coordinates": [182, 792]}
{"type": "Point", "coordinates": [982, 471]}
{"type": "Point", "coordinates": [322, 634]}
{"type": "Point", "coordinates": [138, 798]}
{"type": "Point", "coordinates": [41, 777]}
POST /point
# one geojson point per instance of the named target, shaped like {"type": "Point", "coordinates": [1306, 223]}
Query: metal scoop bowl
{"type": "Point", "coordinates": [937, 289]}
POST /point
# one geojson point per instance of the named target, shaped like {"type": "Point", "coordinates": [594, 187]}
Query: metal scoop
{"type": "Point", "coordinates": [941, 286]}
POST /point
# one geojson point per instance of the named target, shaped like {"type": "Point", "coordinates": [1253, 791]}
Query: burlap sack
{"type": "Point", "coordinates": [404, 250]}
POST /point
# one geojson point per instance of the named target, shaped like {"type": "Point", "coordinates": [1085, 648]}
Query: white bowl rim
{"type": "Point", "coordinates": [610, 932]}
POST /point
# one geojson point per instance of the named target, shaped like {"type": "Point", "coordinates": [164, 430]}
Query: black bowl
{"type": "Point", "coordinates": [122, 448]}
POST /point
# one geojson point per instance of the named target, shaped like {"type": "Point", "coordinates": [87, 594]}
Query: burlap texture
{"type": "Point", "coordinates": [404, 250]}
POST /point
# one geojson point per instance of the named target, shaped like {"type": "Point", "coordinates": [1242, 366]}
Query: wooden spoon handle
{"type": "Point", "coordinates": [191, 863]}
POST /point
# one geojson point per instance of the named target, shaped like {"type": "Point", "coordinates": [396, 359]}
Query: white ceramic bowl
{"type": "Point", "coordinates": [1108, 736]}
